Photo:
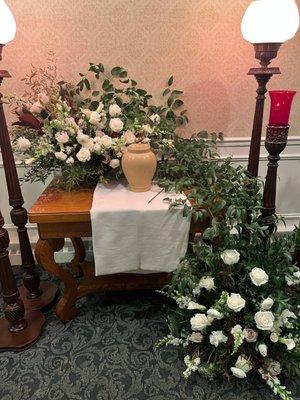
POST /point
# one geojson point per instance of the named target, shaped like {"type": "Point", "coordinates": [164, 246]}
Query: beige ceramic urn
{"type": "Point", "coordinates": [139, 165]}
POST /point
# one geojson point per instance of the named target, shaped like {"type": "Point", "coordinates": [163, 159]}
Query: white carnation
{"type": "Point", "coordinates": [199, 322]}
{"type": "Point", "coordinates": [114, 110]}
{"type": "Point", "coordinates": [23, 143]}
{"type": "Point", "coordinates": [116, 124]}
{"type": "Point", "coordinates": [62, 137]}
{"type": "Point", "coordinates": [235, 302]}
{"type": "Point", "coordinates": [207, 282]}
{"type": "Point", "coordinates": [263, 349]}
{"type": "Point", "coordinates": [237, 329]}
{"type": "Point", "coordinates": [60, 155]}
{"type": "Point", "coordinates": [267, 303]}
{"type": "Point", "coordinates": [230, 257]}
{"type": "Point", "coordinates": [196, 337]}
{"type": "Point", "coordinates": [115, 163]}
{"type": "Point", "coordinates": [258, 276]}
{"type": "Point", "coordinates": [217, 337]}
{"type": "Point", "coordinates": [264, 320]}
{"type": "Point", "coordinates": [83, 155]}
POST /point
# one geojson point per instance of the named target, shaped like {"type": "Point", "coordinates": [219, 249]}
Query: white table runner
{"type": "Point", "coordinates": [130, 235]}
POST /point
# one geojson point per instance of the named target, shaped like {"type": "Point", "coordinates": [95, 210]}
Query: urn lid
{"type": "Point", "coordinates": [138, 148]}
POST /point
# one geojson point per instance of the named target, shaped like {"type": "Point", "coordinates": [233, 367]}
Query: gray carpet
{"type": "Point", "coordinates": [107, 353]}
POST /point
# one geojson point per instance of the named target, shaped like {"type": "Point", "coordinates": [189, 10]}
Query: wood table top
{"type": "Point", "coordinates": [57, 205]}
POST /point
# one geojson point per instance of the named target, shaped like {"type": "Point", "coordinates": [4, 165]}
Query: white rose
{"type": "Point", "coordinates": [267, 303]}
{"type": "Point", "coordinates": [258, 276]}
{"type": "Point", "coordinates": [60, 155]}
{"type": "Point", "coordinates": [230, 257]}
{"type": "Point", "coordinates": [290, 343]}
{"type": "Point", "coordinates": [106, 141]}
{"type": "Point", "coordinates": [82, 138]}
{"type": "Point", "coordinates": [235, 302]}
{"type": "Point", "coordinates": [70, 160]}
{"type": "Point", "coordinates": [250, 335]}
{"type": "Point", "coordinates": [99, 133]}
{"type": "Point", "coordinates": [196, 337]}
{"type": "Point", "coordinates": [129, 137]}
{"type": "Point", "coordinates": [116, 124]}
{"type": "Point", "coordinates": [147, 129]}
{"type": "Point", "coordinates": [274, 337]}
{"type": "Point", "coordinates": [238, 373]}
{"type": "Point", "coordinates": [199, 322]}
{"type": "Point", "coordinates": [43, 98]}
{"type": "Point", "coordinates": [155, 118]}
{"type": "Point", "coordinates": [23, 143]}
{"type": "Point", "coordinates": [114, 110]}
{"type": "Point", "coordinates": [264, 320]}
{"type": "Point", "coordinates": [94, 118]}
{"type": "Point", "coordinates": [192, 305]}
{"type": "Point", "coordinates": [83, 155]}
{"type": "Point", "coordinates": [29, 161]}
{"type": "Point", "coordinates": [36, 108]}
{"type": "Point", "coordinates": [115, 163]}
{"type": "Point", "coordinates": [217, 337]}
{"type": "Point", "coordinates": [62, 137]}
{"type": "Point", "coordinates": [243, 363]}
{"type": "Point", "coordinates": [263, 349]}
{"type": "Point", "coordinates": [214, 313]}
{"type": "Point", "coordinates": [207, 282]}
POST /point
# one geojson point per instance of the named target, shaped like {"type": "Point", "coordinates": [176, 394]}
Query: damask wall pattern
{"type": "Point", "coordinates": [198, 41]}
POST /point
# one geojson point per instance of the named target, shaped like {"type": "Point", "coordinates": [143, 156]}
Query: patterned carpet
{"type": "Point", "coordinates": [107, 354]}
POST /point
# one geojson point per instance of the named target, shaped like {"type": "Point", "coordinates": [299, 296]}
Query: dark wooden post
{"type": "Point", "coordinates": [19, 217]}
{"type": "Point", "coordinates": [276, 140]}
{"type": "Point", "coordinates": [16, 330]}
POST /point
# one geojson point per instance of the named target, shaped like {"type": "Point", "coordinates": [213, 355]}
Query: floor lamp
{"type": "Point", "coordinates": [18, 330]}
{"type": "Point", "coordinates": [34, 294]}
{"type": "Point", "coordinates": [267, 24]}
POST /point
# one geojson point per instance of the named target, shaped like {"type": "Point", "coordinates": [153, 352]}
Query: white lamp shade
{"type": "Point", "coordinates": [270, 21]}
{"type": "Point", "coordinates": [7, 23]}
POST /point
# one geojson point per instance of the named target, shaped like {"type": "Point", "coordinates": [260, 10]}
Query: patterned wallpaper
{"type": "Point", "coordinates": [198, 41]}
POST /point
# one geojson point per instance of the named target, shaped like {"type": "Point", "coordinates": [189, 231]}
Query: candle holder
{"type": "Point", "coordinates": [15, 332]}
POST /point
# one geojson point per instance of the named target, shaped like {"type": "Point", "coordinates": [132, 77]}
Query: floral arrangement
{"type": "Point", "coordinates": [235, 298]}
{"type": "Point", "coordinates": [82, 130]}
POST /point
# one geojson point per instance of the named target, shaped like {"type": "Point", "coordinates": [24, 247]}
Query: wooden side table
{"type": "Point", "coordinates": [59, 215]}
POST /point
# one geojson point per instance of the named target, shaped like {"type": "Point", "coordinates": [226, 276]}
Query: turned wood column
{"type": "Point", "coordinates": [18, 213]}
{"type": "Point", "coordinates": [14, 310]}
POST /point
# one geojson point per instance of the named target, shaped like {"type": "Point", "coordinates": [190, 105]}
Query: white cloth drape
{"type": "Point", "coordinates": [132, 235]}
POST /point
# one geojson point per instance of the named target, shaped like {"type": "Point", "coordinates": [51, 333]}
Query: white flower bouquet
{"type": "Point", "coordinates": [82, 130]}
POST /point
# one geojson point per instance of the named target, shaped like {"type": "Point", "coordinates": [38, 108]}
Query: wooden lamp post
{"type": "Point", "coordinates": [267, 24]}
{"type": "Point", "coordinates": [35, 296]}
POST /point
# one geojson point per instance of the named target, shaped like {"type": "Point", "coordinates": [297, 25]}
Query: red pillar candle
{"type": "Point", "coordinates": [281, 102]}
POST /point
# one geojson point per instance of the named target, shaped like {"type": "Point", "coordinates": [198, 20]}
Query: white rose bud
{"type": "Point", "coordinates": [147, 129]}
{"type": "Point", "coordinates": [258, 276]}
{"type": "Point", "coordinates": [196, 337]}
{"type": "Point", "coordinates": [238, 373]}
{"type": "Point", "coordinates": [263, 349]}
{"type": "Point", "coordinates": [62, 137]}
{"type": "Point", "coordinates": [216, 338]}
{"type": "Point", "coordinates": [36, 108]}
{"type": "Point", "coordinates": [235, 302]}
{"type": "Point", "coordinates": [230, 257]}
{"type": "Point", "coordinates": [83, 155]}
{"type": "Point", "coordinates": [129, 137]}
{"type": "Point", "coordinates": [267, 304]}
{"type": "Point", "coordinates": [207, 282]}
{"type": "Point", "coordinates": [60, 155]}
{"type": "Point", "coordinates": [23, 143]}
{"type": "Point", "coordinates": [114, 110]}
{"type": "Point", "coordinates": [94, 118]}
{"type": "Point", "coordinates": [116, 124]}
{"type": "Point", "coordinates": [264, 320]}
{"type": "Point", "coordinates": [274, 337]}
{"type": "Point", "coordinates": [115, 163]}
{"type": "Point", "coordinates": [199, 322]}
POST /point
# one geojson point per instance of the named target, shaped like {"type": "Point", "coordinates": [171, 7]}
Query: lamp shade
{"type": "Point", "coordinates": [270, 21]}
{"type": "Point", "coordinates": [7, 23]}
{"type": "Point", "coordinates": [281, 103]}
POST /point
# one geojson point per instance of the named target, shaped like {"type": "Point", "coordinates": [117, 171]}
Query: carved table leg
{"type": "Point", "coordinates": [17, 329]}
{"type": "Point", "coordinates": [44, 251]}
{"type": "Point", "coordinates": [79, 257]}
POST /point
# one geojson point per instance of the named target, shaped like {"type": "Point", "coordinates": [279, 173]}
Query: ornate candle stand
{"type": "Point", "coordinates": [276, 140]}
{"type": "Point", "coordinates": [17, 330]}
{"type": "Point", "coordinates": [34, 295]}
